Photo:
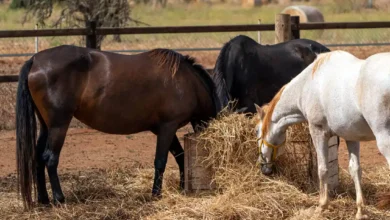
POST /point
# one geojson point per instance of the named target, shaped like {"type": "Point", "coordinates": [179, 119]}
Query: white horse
{"type": "Point", "coordinates": [338, 94]}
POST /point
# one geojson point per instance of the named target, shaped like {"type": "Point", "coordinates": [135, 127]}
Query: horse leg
{"type": "Point", "coordinates": [356, 174]}
{"type": "Point", "coordinates": [51, 156]}
{"type": "Point", "coordinates": [383, 141]}
{"type": "Point", "coordinates": [165, 137]}
{"type": "Point", "coordinates": [320, 140]}
{"type": "Point", "coordinates": [178, 152]}
{"type": "Point", "coordinates": [43, 197]}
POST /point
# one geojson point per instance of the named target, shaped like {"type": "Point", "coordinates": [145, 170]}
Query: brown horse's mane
{"type": "Point", "coordinates": [321, 59]}
{"type": "Point", "coordinates": [169, 58]}
{"type": "Point", "coordinates": [270, 107]}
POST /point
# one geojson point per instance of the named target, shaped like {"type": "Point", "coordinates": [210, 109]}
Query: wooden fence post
{"type": "Point", "coordinates": [91, 38]}
{"type": "Point", "coordinates": [295, 33]}
{"type": "Point", "coordinates": [282, 28]}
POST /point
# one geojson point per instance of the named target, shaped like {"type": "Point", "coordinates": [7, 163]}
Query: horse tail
{"type": "Point", "coordinates": [25, 137]}
{"type": "Point", "coordinates": [223, 78]}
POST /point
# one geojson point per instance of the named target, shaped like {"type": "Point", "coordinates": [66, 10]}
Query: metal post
{"type": "Point", "coordinates": [36, 40]}
{"type": "Point", "coordinates": [259, 34]}
{"type": "Point", "coordinates": [369, 3]}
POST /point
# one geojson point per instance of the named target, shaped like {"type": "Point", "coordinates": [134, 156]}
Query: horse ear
{"type": "Point", "coordinates": [260, 111]}
{"type": "Point", "coordinates": [306, 53]}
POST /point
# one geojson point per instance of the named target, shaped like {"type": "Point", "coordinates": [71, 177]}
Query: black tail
{"type": "Point", "coordinates": [220, 78]}
{"type": "Point", "coordinates": [25, 137]}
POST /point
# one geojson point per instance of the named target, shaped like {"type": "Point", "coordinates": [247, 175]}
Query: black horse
{"type": "Point", "coordinates": [254, 73]}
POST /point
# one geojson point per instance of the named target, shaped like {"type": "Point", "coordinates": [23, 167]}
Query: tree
{"type": "Point", "coordinates": [76, 13]}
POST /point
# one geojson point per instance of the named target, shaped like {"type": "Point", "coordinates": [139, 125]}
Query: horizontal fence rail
{"type": "Point", "coordinates": [8, 78]}
{"type": "Point", "coordinates": [44, 33]}
{"type": "Point", "coordinates": [186, 29]}
{"type": "Point", "coordinates": [190, 29]}
{"type": "Point", "coordinates": [137, 30]}
{"type": "Point", "coordinates": [343, 25]}
{"type": "Point", "coordinates": [90, 32]}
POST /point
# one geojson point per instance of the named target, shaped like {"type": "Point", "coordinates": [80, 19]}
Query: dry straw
{"type": "Point", "coordinates": [243, 193]}
{"type": "Point", "coordinates": [231, 142]}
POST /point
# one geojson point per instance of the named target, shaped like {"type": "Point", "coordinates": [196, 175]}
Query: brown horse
{"type": "Point", "coordinates": [158, 91]}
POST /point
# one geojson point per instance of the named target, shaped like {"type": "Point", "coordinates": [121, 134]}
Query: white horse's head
{"type": "Point", "coordinates": [270, 145]}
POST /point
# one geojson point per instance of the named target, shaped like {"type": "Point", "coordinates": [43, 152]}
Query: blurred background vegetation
{"type": "Point", "coordinates": [68, 13]}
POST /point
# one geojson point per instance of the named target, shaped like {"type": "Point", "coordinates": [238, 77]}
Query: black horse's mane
{"type": "Point", "coordinates": [219, 77]}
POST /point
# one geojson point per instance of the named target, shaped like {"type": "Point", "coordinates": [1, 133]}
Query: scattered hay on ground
{"type": "Point", "coordinates": [243, 193]}
{"type": "Point", "coordinates": [124, 193]}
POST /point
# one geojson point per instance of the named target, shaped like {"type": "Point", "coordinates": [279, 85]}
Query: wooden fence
{"type": "Point", "coordinates": [91, 31]}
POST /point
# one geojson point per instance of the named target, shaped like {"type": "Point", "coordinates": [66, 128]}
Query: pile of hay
{"type": "Point", "coordinates": [231, 143]}
{"type": "Point", "coordinates": [243, 193]}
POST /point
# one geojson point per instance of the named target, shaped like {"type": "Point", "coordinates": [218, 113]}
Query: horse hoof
{"type": "Point", "coordinates": [58, 202]}
{"type": "Point", "coordinates": [45, 201]}
{"type": "Point", "coordinates": [44, 205]}
{"type": "Point", "coordinates": [319, 210]}
{"type": "Point", "coordinates": [156, 196]}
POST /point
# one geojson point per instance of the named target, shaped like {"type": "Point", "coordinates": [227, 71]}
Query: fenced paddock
{"type": "Point", "coordinates": [123, 192]}
{"type": "Point", "coordinates": [202, 42]}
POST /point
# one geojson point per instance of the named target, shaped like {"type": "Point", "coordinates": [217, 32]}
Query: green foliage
{"type": "Point", "coordinates": [16, 4]}
{"type": "Point", "coordinates": [76, 13]}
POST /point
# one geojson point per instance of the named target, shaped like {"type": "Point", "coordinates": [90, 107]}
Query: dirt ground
{"type": "Point", "coordinates": [88, 149]}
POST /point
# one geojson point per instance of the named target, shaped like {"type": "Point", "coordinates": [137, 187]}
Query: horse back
{"type": "Point", "coordinates": [120, 94]}
{"type": "Point", "coordinates": [330, 97]}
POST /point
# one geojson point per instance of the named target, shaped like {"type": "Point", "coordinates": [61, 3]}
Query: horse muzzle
{"type": "Point", "coordinates": [266, 170]}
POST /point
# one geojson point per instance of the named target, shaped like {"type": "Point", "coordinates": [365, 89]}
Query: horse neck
{"type": "Point", "coordinates": [287, 110]}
